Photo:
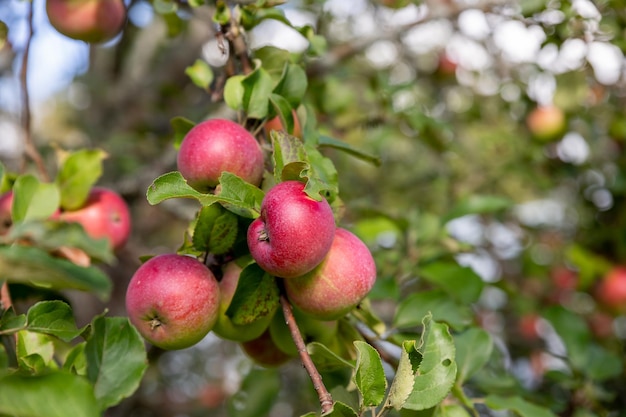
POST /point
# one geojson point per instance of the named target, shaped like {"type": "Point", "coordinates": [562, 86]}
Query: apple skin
{"type": "Point", "coordinates": [263, 351]}
{"type": "Point", "coordinates": [217, 145]}
{"type": "Point", "coordinates": [546, 123]}
{"type": "Point", "coordinates": [294, 232]}
{"type": "Point", "coordinates": [224, 327]}
{"type": "Point", "coordinates": [91, 21]}
{"type": "Point", "coordinates": [276, 124]}
{"type": "Point", "coordinates": [105, 214]}
{"type": "Point", "coordinates": [173, 300]}
{"type": "Point", "coordinates": [611, 292]}
{"type": "Point", "coordinates": [339, 283]}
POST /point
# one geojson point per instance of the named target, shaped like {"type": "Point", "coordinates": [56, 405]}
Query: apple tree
{"type": "Point", "coordinates": [338, 208]}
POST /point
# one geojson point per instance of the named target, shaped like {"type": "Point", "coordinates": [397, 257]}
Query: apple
{"type": "Point", "coordinates": [546, 123]}
{"type": "Point", "coordinates": [293, 233]}
{"type": "Point", "coordinates": [339, 283]}
{"type": "Point", "coordinates": [217, 145]}
{"type": "Point", "coordinates": [173, 300]}
{"type": "Point", "coordinates": [105, 214]}
{"type": "Point", "coordinates": [6, 204]}
{"type": "Point", "coordinates": [264, 351]}
{"type": "Point", "coordinates": [312, 330]}
{"type": "Point", "coordinates": [91, 21]}
{"type": "Point", "coordinates": [446, 65]}
{"type": "Point", "coordinates": [611, 291]}
{"type": "Point", "coordinates": [528, 327]}
{"type": "Point", "coordinates": [276, 124]}
{"type": "Point", "coordinates": [224, 327]}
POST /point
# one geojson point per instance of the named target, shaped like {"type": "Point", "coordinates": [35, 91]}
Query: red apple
{"type": "Point", "coordinates": [528, 327]}
{"type": "Point", "coordinates": [276, 124]}
{"type": "Point", "coordinates": [611, 291]}
{"type": "Point", "coordinates": [87, 20]}
{"type": "Point", "coordinates": [224, 327]}
{"type": "Point", "coordinates": [173, 300]}
{"type": "Point", "coordinates": [105, 214]}
{"type": "Point", "coordinates": [264, 351]}
{"type": "Point", "coordinates": [6, 204]}
{"type": "Point", "coordinates": [546, 123]}
{"type": "Point", "coordinates": [217, 145]}
{"type": "Point", "coordinates": [339, 283]}
{"type": "Point", "coordinates": [294, 232]}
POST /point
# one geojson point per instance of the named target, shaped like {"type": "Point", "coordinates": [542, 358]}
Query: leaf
{"type": "Point", "coordinates": [234, 91]}
{"type": "Point", "coordinates": [53, 235]}
{"type": "Point", "coordinates": [116, 359]}
{"type": "Point", "coordinates": [282, 109]}
{"type": "Point", "coordinates": [76, 361]}
{"type": "Point", "coordinates": [341, 410]}
{"type": "Point", "coordinates": [292, 85]}
{"type": "Point", "coordinates": [54, 318]}
{"type": "Point", "coordinates": [369, 376]}
{"type": "Point", "coordinates": [205, 220]}
{"type": "Point", "coordinates": [173, 185]}
{"type": "Point", "coordinates": [256, 296]}
{"type": "Point", "coordinates": [32, 266]}
{"type": "Point", "coordinates": [79, 172]}
{"type": "Point", "coordinates": [257, 87]}
{"type": "Point", "coordinates": [223, 234]}
{"type": "Point", "coordinates": [478, 204]}
{"type": "Point", "coordinates": [33, 200]}
{"type": "Point", "coordinates": [34, 351]}
{"type": "Point", "coordinates": [327, 141]}
{"type": "Point", "coordinates": [258, 392]}
{"type": "Point", "coordinates": [403, 381]}
{"type": "Point", "coordinates": [459, 281]}
{"type": "Point", "coordinates": [519, 405]}
{"type": "Point", "coordinates": [57, 394]}
{"type": "Point", "coordinates": [200, 73]}
{"type": "Point", "coordinates": [287, 150]}
{"type": "Point", "coordinates": [325, 359]}
{"type": "Point", "coordinates": [444, 309]}
{"type": "Point", "coordinates": [437, 370]}
{"type": "Point", "coordinates": [574, 332]}
{"type": "Point", "coordinates": [10, 322]}
{"type": "Point", "coordinates": [473, 350]}
{"type": "Point", "coordinates": [181, 126]}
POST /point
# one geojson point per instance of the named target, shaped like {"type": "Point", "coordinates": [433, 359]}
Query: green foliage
{"type": "Point", "coordinates": [256, 296]}
{"type": "Point", "coordinates": [78, 173]}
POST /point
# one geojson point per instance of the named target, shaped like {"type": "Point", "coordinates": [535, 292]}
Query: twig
{"type": "Point", "coordinates": [326, 400]}
{"type": "Point", "coordinates": [30, 148]}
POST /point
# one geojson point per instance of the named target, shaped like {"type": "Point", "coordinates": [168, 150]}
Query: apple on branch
{"type": "Point", "coordinates": [294, 232]}
{"type": "Point", "coordinates": [173, 301]}
{"type": "Point", "coordinates": [91, 21]}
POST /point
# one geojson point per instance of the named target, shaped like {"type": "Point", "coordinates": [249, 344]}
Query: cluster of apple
{"type": "Point", "coordinates": [324, 271]}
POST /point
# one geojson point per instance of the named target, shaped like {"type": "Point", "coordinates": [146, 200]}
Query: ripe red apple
{"type": "Point", "coordinates": [105, 214]}
{"type": "Point", "coordinates": [339, 283]}
{"type": "Point", "coordinates": [276, 124]}
{"type": "Point", "coordinates": [87, 20]}
{"type": "Point", "coordinates": [224, 327]}
{"type": "Point", "coordinates": [293, 233]}
{"type": "Point", "coordinates": [173, 300]}
{"type": "Point", "coordinates": [264, 351]}
{"type": "Point", "coordinates": [611, 291]}
{"type": "Point", "coordinates": [217, 145]}
{"type": "Point", "coordinates": [546, 123]}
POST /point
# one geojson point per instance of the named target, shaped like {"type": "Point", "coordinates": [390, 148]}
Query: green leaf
{"type": "Point", "coordinates": [444, 309]}
{"type": "Point", "coordinates": [369, 376]}
{"type": "Point", "coordinates": [459, 281]}
{"type": "Point", "coordinates": [256, 296]}
{"type": "Point", "coordinates": [257, 87]}
{"type": "Point", "coordinates": [282, 109]}
{"type": "Point", "coordinates": [520, 406]}
{"type": "Point", "coordinates": [54, 318]}
{"type": "Point", "coordinates": [274, 60]}
{"type": "Point", "coordinates": [200, 74]}
{"type": "Point", "coordinates": [116, 359]}
{"type": "Point", "coordinates": [574, 332]}
{"type": "Point", "coordinates": [57, 394]}
{"type": "Point", "coordinates": [234, 91]}
{"type": "Point", "coordinates": [326, 141]}
{"type": "Point", "coordinates": [173, 185]}
{"type": "Point", "coordinates": [602, 364]}
{"type": "Point", "coordinates": [31, 265]}
{"type": "Point", "coordinates": [341, 410]}
{"type": "Point", "coordinates": [437, 370]}
{"type": "Point", "coordinates": [473, 350]}
{"type": "Point", "coordinates": [205, 220]}
{"type": "Point", "coordinates": [53, 235]}
{"type": "Point", "coordinates": [181, 126]}
{"type": "Point", "coordinates": [258, 392]}
{"type": "Point", "coordinates": [35, 351]}
{"type": "Point", "coordinates": [33, 200]}
{"type": "Point", "coordinates": [478, 204]}
{"type": "Point", "coordinates": [325, 359]}
{"type": "Point", "coordinates": [10, 322]}
{"type": "Point", "coordinates": [79, 172]}
{"type": "Point", "coordinates": [76, 361]}
{"type": "Point", "coordinates": [223, 234]}
{"type": "Point", "coordinates": [292, 85]}
{"type": "Point", "coordinates": [403, 381]}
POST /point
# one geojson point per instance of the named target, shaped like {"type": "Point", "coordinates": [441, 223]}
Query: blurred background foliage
{"type": "Point", "coordinates": [489, 225]}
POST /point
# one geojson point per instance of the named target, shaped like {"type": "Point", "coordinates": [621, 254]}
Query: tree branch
{"type": "Point", "coordinates": [326, 400]}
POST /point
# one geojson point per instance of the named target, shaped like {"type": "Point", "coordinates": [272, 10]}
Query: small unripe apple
{"type": "Point", "coordinates": [339, 283]}
{"type": "Point", "coordinates": [173, 300]}
{"type": "Point", "coordinates": [264, 351]}
{"type": "Point", "coordinates": [105, 214]}
{"type": "Point", "coordinates": [546, 123]}
{"type": "Point", "coordinates": [611, 292]}
{"type": "Point", "coordinates": [87, 20]}
{"type": "Point", "coordinates": [276, 124]}
{"type": "Point", "coordinates": [217, 145]}
{"type": "Point", "coordinates": [224, 327]}
{"type": "Point", "coordinates": [294, 232]}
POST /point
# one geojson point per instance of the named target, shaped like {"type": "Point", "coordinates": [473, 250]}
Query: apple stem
{"type": "Point", "coordinates": [326, 400]}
